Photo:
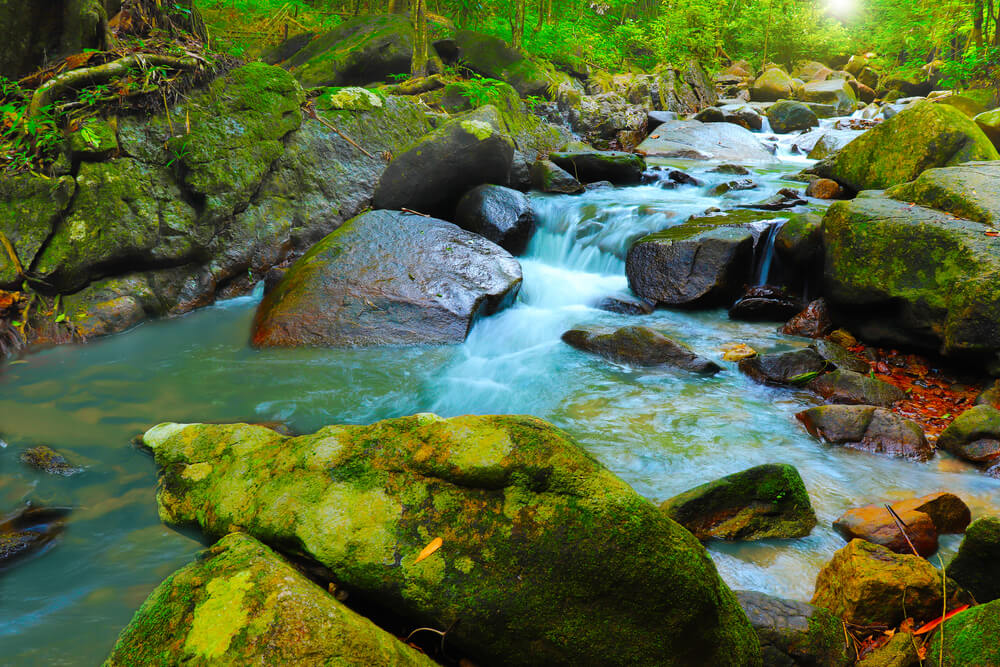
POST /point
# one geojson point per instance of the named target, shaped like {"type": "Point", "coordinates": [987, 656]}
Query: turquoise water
{"type": "Point", "coordinates": [662, 430]}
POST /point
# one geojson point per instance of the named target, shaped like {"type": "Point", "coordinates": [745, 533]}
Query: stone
{"type": "Point", "coordinates": [625, 305]}
{"type": "Point", "coordinates": [796, 633]}
{"type": "Point", "coordinates": [813, 321]}
{"type": "Point", "coordinates": [825, 188]}
{"type": "Point", "coordinates": [638, 345]}
{"type": "Point", "coordinates": [30, 207]}
{"type": "Point", "coordinates": [975, 436]}
{"type": "Point", "coordinates": [691, 139]}
{"type": "Point", "coordinates": [547, 176]}
{"type": "Point", "coordinates": [774, 84]}
{"type": "Point", "coordinates": [976, 566]}
{"type": "Point", "coordinates": [388, 278]}
{"type": "Point", "coordinates": [949, 513]}
{"type": "Point", "coordinates": [989, 123]}
{"type": "Point", "coordinates": [840, 357]}
{"type": "Point", "coordinates": [836, 92]}
{"type": "Point", "coordinates": [490, 57]}
{"type": "Point", "coordinates": [853, 388]}
{"type": "Point", "coordinates": [867, 428]}
{"type": "Point", "coordinates": [762, 502]}
{"type": "Point", "coordinates": [764, 303]}
{"type": "Point", "coordinates": [29, 530]}
{"type": "Point", "coordinates": [922, 136]}
{"type": "Point", "coordinates": [899, 651]}
{"type": "Point", "coordinates": [784, 368]}
{"type": "Point", "coordinates": [799, 241]}
{"type": "Point", "coordinates": [829, 142]}
{"type": "Point", "coordinates": [970, 638]}
{"type": "Point", "coordinates": [588, 166]}
{"type": "Point", "coordinates": [499, 214]}
{"type": "Point", "coordinates": [790, 116]}
{"type": "Point", "coordinates": [875, 524]}
{"type": "Point", "coordinates": [867, 584]}
{"type": "Point", "coordinates": [240, 603]}
{"type": "Point", "coordinates": [506, 494]}
{"type": "Point", "coordinates": [433, 174]}
{"type": "Point", "coordinates": [48, 460]}
{"type": "Point", "coordinates": [990, 395]}
{"type": "Point", "coordinates": [970, 191]}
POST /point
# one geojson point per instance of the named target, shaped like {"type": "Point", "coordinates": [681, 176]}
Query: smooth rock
{"type": "Point", "coordinates": [796, 633]}
{"type": "Point", "coordinates": [499, 214]}
{"type": "Point", "coordinates": [867, 428]}
{"type": "Point", "coordinates": [976, 566]}
{"type": "Point", "coordinates": [790, 116]}
{"type": "Point", "coordinates": [588, 166]}
{"type": "Point", "coordinates": [638, 345]}
{"type": "Point", "coordinates": [853, 388]}
{"type": "Point", "coordinates": [784, 368]}
{"type": "Point", "coordinates": [691, 139]}
{"type": "Point", "coordinates": [875, 524]}
{"type": "Point", "coordinates": [547, 176]}
{"type": "Point", "coordinates": [975, 436]}
{"type": "Point", "coordinates": [625, 305]}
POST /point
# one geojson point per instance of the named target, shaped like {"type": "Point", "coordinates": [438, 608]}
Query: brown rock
{"type": "Point", "coordinates": [813, 322]}
{"type": "Point", "coordinates": [867, 428]}
{"type": "Point", "coordinates": [845, 386]}
{"type": "Point", "coordinates": [875, 524]}
{"type": "Point", "coordinates": [824, 188]}
{"type": "Point", "coordinates": [948, 512]}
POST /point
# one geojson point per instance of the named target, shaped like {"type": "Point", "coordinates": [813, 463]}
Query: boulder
{"type": "Point", "coordinates": [899, 651]}
{"type": "Point", "coordinates": [499, 214]}
{"type": "Point", "coordinates": [241, 603]}
{"type": "Point", "coordinates": [796, 633]}
{"type": "Point", "coordinates": [811, 71]}
{"type": "Point", "coordinates": [433, 173]}
{"type": "Point", "coordinates": [867, 428]}
{"type": "Point", "coordinates": [784, 368]}
{"type": "Point", "coordinates": [856, 64]}
{"type": "Point", "coordinates": [625, 304]}
{"type": "Point", "coordinates": [691, 139]}
{"type": "Point", "coordinates": [48, 460]}
{"type": "Point", "coordinates": [490, 57]}
{"type": "Point", "coordinates": [30, 206]}
{"type": "Point", "coordinates": [829, 141]}
{"type": "Point", "coordinates": [970, 638]}
{"type": "Point", "coordinates": [762, 502]}
{"type": "Point", "coordinates": [840, 357]}
{"type": "Point", "coordinates": [743, 115]}
{"type": "Point", "coordinates": [853, 388]}
{"type": "Point", "coordinates": [970, 191]}
{"type": "Point", "coordinates": [764, 303]}
{"type": "Point", "coordinates": [641, 346]}
{"type": "Point", "coordinates": [706, 268]}
{"type": "Point", "coordinates": [799, 241]}
{"type": "Point", "coordinates": [589, 166]}
{"type": "Point", "coordinates": [875, 524]}
{"type": "Point", "coordinates": [547, 176]}
{"type": "Point", "coordinates": [949, 513]}
{"type": "Point", "coordinates": [920, 137]}
{"type": "Point", "coordinates": [774, 84]}
{"type": "Point", "coordinates": [990, 395]}
{"type": "Point", "coordinates": [835, 92]}
{"type": "Point", "coordinates": [867, 584]}
{"type": "Point", "coordinates": [528, 523]}
{"type": "Point", "coordinates": [789, 116]}
{"type": "Point", "coordinates": [989, 123]}
{"type": "Point", "coordinates": [813, 322]}
{"type": "Point", "coordinates": [975, 436]}
{"type": "Point", "coordinates": [388, 278]}
{"type": "Point", "coordinates": [825, 188]}
{"type": "Point", "coordinates": [976, 566]}
{"type": "Point", "coordinates": [966, 105]}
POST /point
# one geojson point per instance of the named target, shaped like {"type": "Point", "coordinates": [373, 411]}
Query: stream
{"type": "Point", "coordinates": [662, 430]}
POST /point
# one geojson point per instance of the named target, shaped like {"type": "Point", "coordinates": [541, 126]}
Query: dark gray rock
{"type": "Point", "coordinates": [796, 634]}
{"type": "Point", "coordinates": [29, 530]}
{"type": "Point", "coordinates": [46, 459]}
{"type": "Point", "coordinates": [867, 428]}
{"type": "Point", "coordinates": [547, 176]}
{"type": "Point", "coordinates": [641, 346]}
{"type": "Point", "coordinates": [625, 305]}
{"type": "Point", "coordinates": [616, 166]}
{"type": "Point", "coordinates": [784, 368]}
{"type": "Point", "coordinates": [500, 214]}
{"type": "Point", "coordinates": [976, 566]}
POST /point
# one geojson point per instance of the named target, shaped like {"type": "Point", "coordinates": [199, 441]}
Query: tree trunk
{"type": "Point", "coordinates": [977, 23]}
{"type": "Point", "coordinates": [38, 32]}
{"type": "Point", "coordinates": [517, 29]}
{"type": "Point", "coordinates": [418, 66]}
{"type": "Point", "coordinates": [541, 15]}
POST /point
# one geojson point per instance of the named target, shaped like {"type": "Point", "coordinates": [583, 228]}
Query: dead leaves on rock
{"type": "Point", "coordinates": [433, 546]}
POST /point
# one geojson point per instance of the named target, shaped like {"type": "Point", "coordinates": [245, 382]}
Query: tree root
{"type": "Point", "coordinates": [89, 76]}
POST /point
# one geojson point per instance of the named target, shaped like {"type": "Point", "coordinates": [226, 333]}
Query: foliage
{"type": "Point", "coordinates": [480, 90]}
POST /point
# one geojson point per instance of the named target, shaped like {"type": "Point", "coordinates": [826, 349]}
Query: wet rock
{"type": "Point", "coordinates": [743, 115]}
{"type": "Point", "coordinates": [784, 199]}
{"type": "Point", "coordinates": [547, 176]}
{"type": "Point", "coordinates": [599, 185]}
{"type": "Point", "coordinates": [789, 116]}
{"type": "Point", "coordinates": [490, 57]}
{"type": "Point", "coordinates": [731, 186]}
{"type": "Point", "coordinates": [867, 584]}
{"type": "Point", "coordinates": [799, 242]}
{"type": "Point", "coordinates": [28, 531]}
{"type": "Point", "coordinates": [588, 166]}
{"type": "Point", "coordinates": [625, 305]}
{"type": "Point", "coordinates": [875, 524]}
{"type": "Point", "coordinates": [841, 357]}
{"type": "Point", "coordinates": [690, 265]}
{"type": "Point", "coordinates": [656, 118]}
{"type": "Point", "coordinates": [48, 460]}
{"type": "Point", "coordinates": [440, 167]}
{"type": "Point", "coordinates": [764, 303]}
{"type": "Point", "coordinates": [990, 395]}
{"type": "Point", "coordinates": [989, 123]}
{"type": "Point", "coordinates": [705, 141]}
{"type": "Point", "coordinates": [850, 387]}
{"type": "Point", "coordinates": [836, 92]}
{"type": "Point", "coordinates": [734, 169]}
{"type": "Point", "coordinates": [784, 368]}
{"type": "Point", "coordinates": [499, 214]}
{"type": "Point", "coordinates": [507, 494]}
{"type": "Point", "coordinates": [758, 503]}
{"type": "Point", "coordinates": [867, 428]}
{"type": "Point", "coordinates": [710, 115]}
{"type": "Point", "coordinates": [949, 513]}
{"type": "Point", "coordinates": [241, 603]}
{"type": "Point", "coordinates": [970, 191]}
{"type": "Point", "coordinates": [638, 345]}
{"type": "Point", "coordinates": [796, 633]}
{"type": "Point", "coordinates": [825, 188]}
{"type": "Point", "coordinates": [976, 566]}
{"type": "Point", "coordinates": [812, 322]}
{"type": "Point", "coordinates": [975, 436]}
{"type": "Point", "coordinates": [970, 638]}
{"type": "Point", "coordinates": [388, 278]}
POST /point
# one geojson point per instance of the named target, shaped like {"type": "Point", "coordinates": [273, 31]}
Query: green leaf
{"type": "Point", "coordinates": [90, 136]}
{"type": "Point", "coordinates": [15, 323]}
{"type": "Point", "coordinates": [61, 317]}
{"type": "Point", "coordinates": [802, 378]}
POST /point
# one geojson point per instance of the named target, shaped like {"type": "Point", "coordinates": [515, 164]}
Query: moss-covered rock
{"type": "Point", "coordinates": [48, 460]}
{"type": "Point", "coordinates": [641, 346]}
{"type": "Point", "coordinates": [835, 92]}
{"type": "Point", "coordinates": [547, 176]}
{"type": "Point", "coordinates": [758, 503]}
{"type": "Point", "coordinates": [491, 57]}
{"type": "Point", "coordinates": [796, 633]}
{"type": "Point", "coordinates": [966, 105]}
{"type": "Point", "coordinates": [989, 123]}
{"type": "Point", "coordinates": [529, 524]}
{"type": "Point", "coordinates": [241, 603]}
{"type": "Point", "coordinates": [899, 651]}
{"type": "Point", "coordinates": [867, 584]}
{"type": "Point", "coordinates": [792, 368]}
{"type": "Point", "coordinates": [854, 388]}
{"type": "Point", "coordinates": [30, 206]}
{"type": "Point", "coordinates": [774, 84]}
{"type": "Point", "coordinates": [590, 166]}
{"type": "Point", "coordinates": [95, 139]}
{"type": "Point", "coordinates": [920, 137]}
{"type": "Point", "coordinates": [970, 638]}
{"type": "Point", "coordinates": [970, 191]}
{"type": "Point", "coordinates": [976, 566]}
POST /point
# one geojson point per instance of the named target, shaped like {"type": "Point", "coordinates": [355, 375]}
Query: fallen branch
{"type": "Point", "coordinates": [75, 79]}
{"type": "Point", "coordinates": [315, 116]}
{"type": "Point", "coordinates": [902, 529]}
{"type": "Point", "coordinates": [12, 254]}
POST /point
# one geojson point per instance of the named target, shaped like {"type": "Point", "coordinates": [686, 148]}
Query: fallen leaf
{"type": "Point", "coordinates": [434, 545]}
{"type": "Point", "coordinates": [927, 627]}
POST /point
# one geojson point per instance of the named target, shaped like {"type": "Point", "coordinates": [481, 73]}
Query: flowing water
{"type": "Point", "coordinates": [663, 431]}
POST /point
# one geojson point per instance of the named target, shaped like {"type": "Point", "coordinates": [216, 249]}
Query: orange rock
{"type": "Point", "coordinates": [947, 511]}
{"type": "Point", "coordinates": [824, 188]}
{"type": "Point", "coordinates": [873, 523]}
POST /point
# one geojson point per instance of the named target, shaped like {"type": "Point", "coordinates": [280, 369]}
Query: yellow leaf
{"type": "Point", "coordinates": [434, 545]}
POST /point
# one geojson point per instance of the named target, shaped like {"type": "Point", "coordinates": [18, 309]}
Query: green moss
{"type": "Point", "coordinates": [970, 638]}
{"type": "Point", "coordinates": [29, 208]}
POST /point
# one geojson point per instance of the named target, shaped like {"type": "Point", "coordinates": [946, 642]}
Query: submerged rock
{"type": "Point", "coordinates": [867, 428]}
{"type": "Point", "coordinates": [48, 460]}
{"type": "Point", "coordinates": [589, 166]}
{"type": "Point", "coordinates": [755, 504]}
{"type": "Point", "coordinates": [796, 633]}
{"type": "Point", "coordinates": [546, 557]}
{"type": "Point", "coordinates": [388, 278]}
{"type": "Point", "coordinates": [975, 436]}
{"type": "Point", "coordinates": [970, 638]}
{"type": "Point", "coordinates": [853, 388]}
{"type": "Point", "coordinates": [499, 214]}
{"type": "Point", "coordinates": [638, 345]}
{"type": "Point", "coordinates": [784, 368]}
{"type": "Point", "coordinates": [241, 603]}
{"type": "Point", "coordinates": [949, 513]}
{"type": "Point", "coordinates": [976, 566]}
{"type": "Point", "coordinates": [867, 584]}
{"type": "Point", "coordinates": [29, 530]}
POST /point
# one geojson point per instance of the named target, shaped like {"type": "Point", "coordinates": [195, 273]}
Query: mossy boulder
{"type": "Point", "coordinates": [547, 176]}
{"type": "Point", "coordinates": [433, 174]}
{"type": "Point", "coordinates": [641, 346]}
{"type": "Point", "coordinates": [762, 502]}
{"type": "Point", "coordinates": [95, 140]}
{"type": "Point", "coordinates": [970, 638]}
{"type": "Point", "coordinates": [774, 84]}
{"type": "Point", "coordinates": [989, 123]}
{"type": "Point", "coordinates": [975, 436]}
{"type": "Point", "coordinates": [30, 206]}
{"type": "Point", "coordinates": [790, 116]}
{"type": "Point", "coordinates": [589, 166]}
{"type": "Point", "coordinates": [854, 388]}
{"type": "Point", "coordinates": [976, 566]}
{"type": "Point", "coordinates": [792, 368]}
{"type": "Point", "coordinates": [899, 651]}
{"type": "Point", "coordinates": [528, 524]}
{"type": "Point", "coordinates": [835, 92]}
{"type": "Point", "coordinates": [867, 584]}
{"type": "Point", "coordinates": [388, 278]}
{"type": "Point", "coordinates": [966, 105]}
{"type": "Point", "coordinates": [922, 136]}
{"type": "Point", "coordinates": [45, 459]}
{"type": "Point", "coordinates": [491, 57]}
{"type": "Point", "coordinates": [867, 428]}
{"type": "Point", "coordinates": [970, 191]}
{"type": "Point", "coordinates": [796, 633]}
{"type": "Point", "coordinates": [241, 603]}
